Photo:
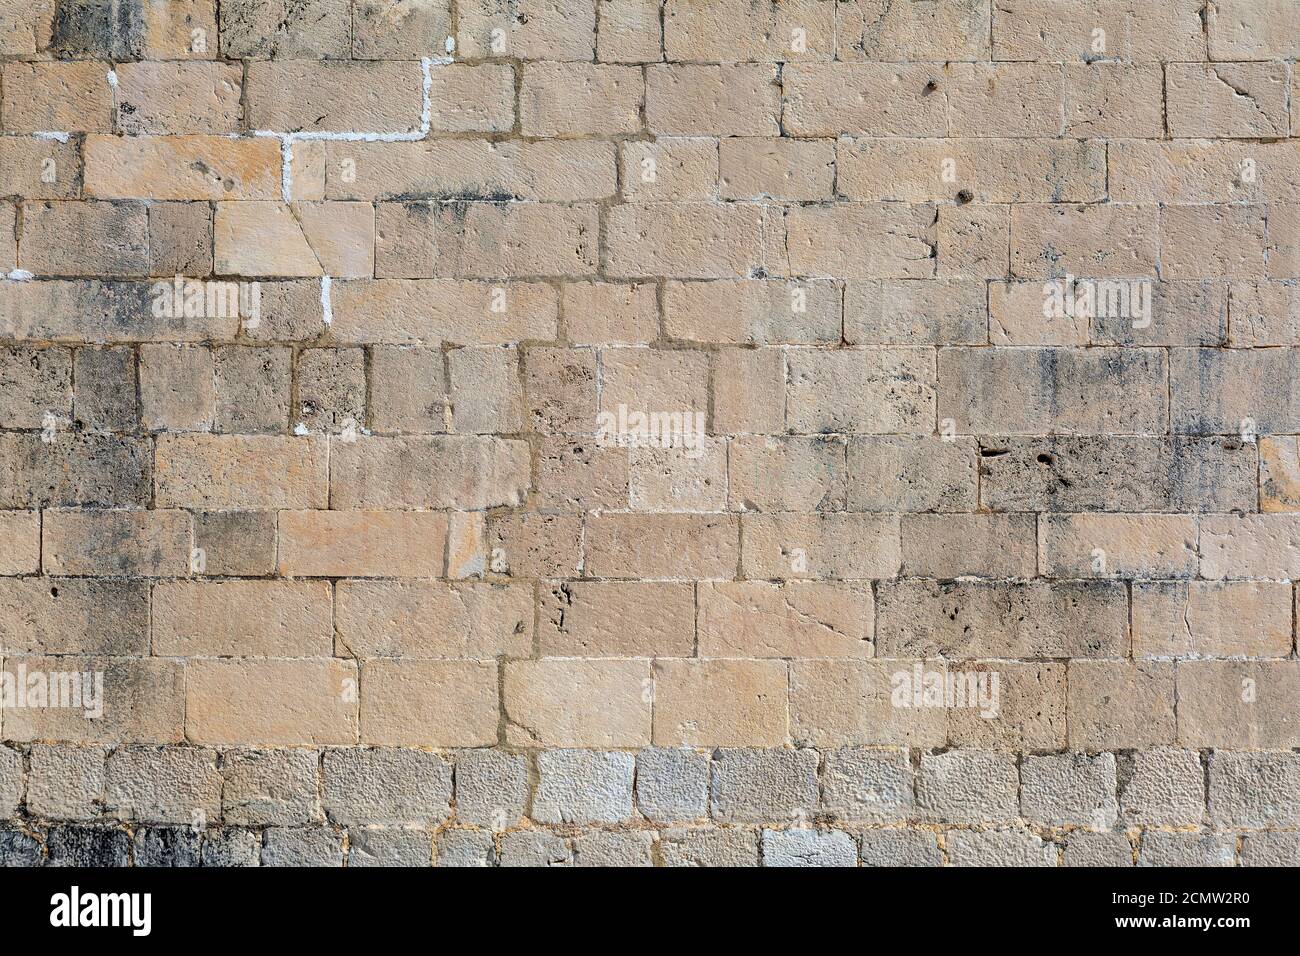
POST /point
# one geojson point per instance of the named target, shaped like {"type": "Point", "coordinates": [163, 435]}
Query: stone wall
{"type": "Point", "coordinates": [630, 432]}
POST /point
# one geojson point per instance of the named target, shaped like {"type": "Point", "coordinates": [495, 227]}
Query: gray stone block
{"type": "Point", "coordinates": [491, 788]}
{"type": "Point", "coordinates": [583, 786]}
{"type": "Point", "coordinates": [672, 784]}
{"type": "Point", "coordinates": [163, 785]}
{"type": "Point", "coordinates": [1254, 790]}
{"type": "Point", "coordinates": [1097, 849]}
{"type": "Point", "coordinates": [88, 846]}
{"type": "Point", "coordinates": [167, 846]}
{"type": "Point", "coordinates": [968, 786]}
{"type": "Point", "coordinates": [11, 781]}
{"type": "Point", "coordinates": [998, 848]}
{"type": "Point", "coordinates": [900, 848]}
{"type": "Point", "coordinates": [1270, 849]}
{"type": "Point", "coordinates": [66, 783]}
{"type": "Point", "coordinates": [869, 785]}
{"type": "Point", "coordinates": [466, 848]}
{"type": "Point", "coordinates": [271, 787]}
{"type": "Point", "coordinates": [631, 848]}
{"type": "Point", "coordinates": [19, 849]}
{"type": "Point", "coordinates": [366, 787]}
{"type": "Point", "coordinates": [231, 846]}
{"type": "Point", "coordinates": [534, 848]}
{"type": "Point", "coordinates": [301, 846]}
{"type": "Point", "coordinates": [764, 786]}
{"type": "Point", "coordinates": [1159, 848]}
{"type": "Point", "coordinates": [1162, 787]}
{"type": "Point", "coordinates": [809, 848]}
{"type": "Point", "coordinates": [1064, 789]}
{"type": "Point", "coordinates": [730, 846]}
{"type": "Point", "coordinates": [389, 846]}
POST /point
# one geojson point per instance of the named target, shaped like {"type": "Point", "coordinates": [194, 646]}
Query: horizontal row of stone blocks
{"type": "Point", "coordinates": [636, 31]}
{"type": "Point", "coordinates": [162, 846]}
{"type": "Point", "coordinates": [567, 702]}
{"type": "Point", "coordinates": [498, 790]}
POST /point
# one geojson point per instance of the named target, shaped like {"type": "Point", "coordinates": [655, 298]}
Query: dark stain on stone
{"type": "Point", "coordinates": [96, 28]}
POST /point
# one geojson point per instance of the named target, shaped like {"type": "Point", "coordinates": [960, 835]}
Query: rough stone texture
{"type": "Point", "coordinates": [808, 848]}
{"type": "Point", "coordinates": [649, 432]}
{"type": "Point", "coordinates": [582, 786]}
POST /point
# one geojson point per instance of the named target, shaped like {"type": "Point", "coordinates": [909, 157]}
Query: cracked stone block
{"type": "Point", "coordinates": [534, 848]}
{"type": "Point", "coordinates": [809, 848]}
{"type": "Point", "coordinates": [583, 786]}
{"type": "Point", "coordinates": [672, 784]}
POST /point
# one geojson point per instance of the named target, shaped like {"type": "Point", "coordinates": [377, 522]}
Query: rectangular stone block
{"type": "Point", "coordinates": [44, 615]}
{"type": "Point", "coordinates": [362, 543]}
{"type": "Point", "coordinates": [840, 703]}
{"type": "Point", "coordinates": [670, 547]}
{"type": "Point", "coordinates": [742, 99]}
{"type": "Point", "coordinates": [976, 545]}
{"type": "Point", "coordinates": [577, 703]}
{"type": "Point", "coordinates": [242, 619]}
{"type": "Point", "coordinates": [797, 619]}
{"type": "Point", "coordinates": [1117, 473]}
{"type": "Point", "coordinates": [617, 619]}
{"type": "Point", "coordinates": [133, 700]}
{"type": "Point", "coordinates": [864, 99]}
{"type": "Point", "coordinates": [419, 619]}
{"type": "Point", "coordinates": [116, 543]}
{"type": "Point", "coordinates": [271, 702]}
{"type": "Point", "coordinates": [878, 391]}
{"type": "Point", "coordinates": [1100, 390]}
{"type": "Point", "coordinates": [847, 547]}
{"type": "Point", "coordinates": [1114, 705]}
{"type": "Point", "coordinates": [972, 170]}
{"type": "Point", "coordinates": [1239, 705]}
{"type": "Point", "coordinates": [202, 167]}
{"type": "Point", "coordinates": [429, 703]}
{"type": "Point", "coordinates": [746, 312]}
{"type": "Point", "coordinates": [974, 619]}
{"type": "Point", "coordinates": [862, 240]}
{"type": "Point", "coordinates": [1118, 546]}
{"type": "Point", "coordinates": [241, 471]}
